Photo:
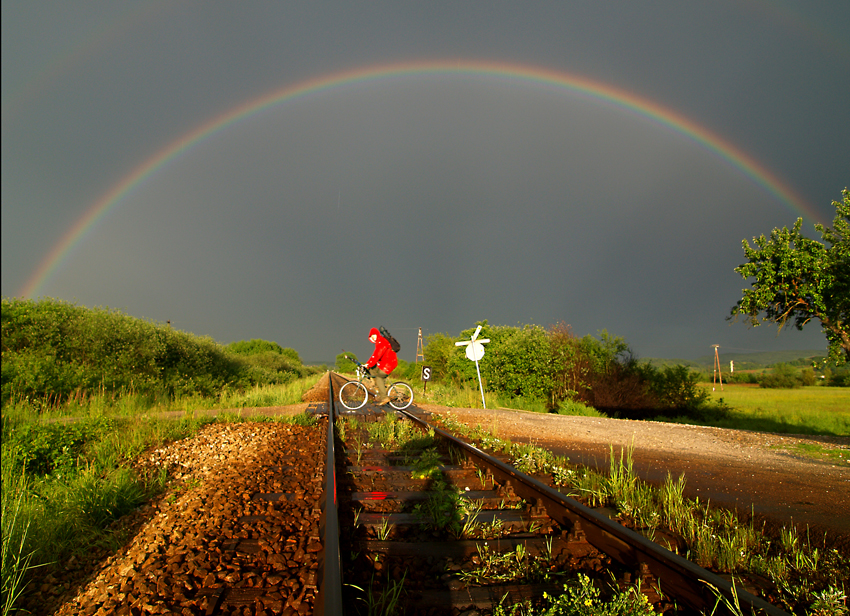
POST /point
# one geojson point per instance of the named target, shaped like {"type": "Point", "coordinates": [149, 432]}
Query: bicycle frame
{"type": "Point", "coordinates": [365, 378]}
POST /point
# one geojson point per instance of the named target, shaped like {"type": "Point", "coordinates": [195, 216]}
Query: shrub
{"type": "Point", "coordinates": [438, 347]}
{"type": "Point", "coordinates": [517, 361]}
{"type": "Point", "coordinates": [45, 448]}
{"type": "Point", "coordinates": [345, 365]}
{"type": "Point", "coordinates": [555, 366]}
{"type": "Point", "coordinates": [807, 377]}
{"type": "Point", "coordinates": [406, 371]}
{"type": "Point", "coordinates": [751, 378]}
{"type": "Point", "coordinates": [578, 409]}
{"type": "Point", "coordinates": [264, 347]}
{"type": "Point", "coordinates": [782, 376]}
{"type": "Point", "coordinates": [839, 378]}
{"type": "Point", "coordinates": [676, 387]}
{"type": "Point", "coordinates": [571, 364]}
{"type": "Point", "coordinates": [54, 351]}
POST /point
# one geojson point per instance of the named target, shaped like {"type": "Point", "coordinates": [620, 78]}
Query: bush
{"type": "Point", "coordinates": [676, 387]}
{"type": "Point", "coordinates": [42, 449]}
{"type": "Point", "coordinates": [751, 378]}
{"type": "Point", "coordinates": [406, 371]}
{"type": "Point", "coordinates": [839, 378]}
{"type": "Point", "coordinates": [808, 378]}
{"type": "Point", "coordinates": [782, 376]}
{"type": "Point", "coordinates": [54, 351]}
{"type": "Point", "coordinates": [553, 367]}
{"type": "Point", "coordinates": [517, 361]}
{"type": "Point", "coordinates": [578, 409]}
{"type": "Point", "coordinates": [264, 347]}
{"type": "Point", "coordinates": [345, 365]}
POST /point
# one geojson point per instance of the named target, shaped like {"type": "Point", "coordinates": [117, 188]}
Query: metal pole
{"type": "Point", "coordinates": [480, 385]}
{"type": "Point", "coordinates": [329, 600]}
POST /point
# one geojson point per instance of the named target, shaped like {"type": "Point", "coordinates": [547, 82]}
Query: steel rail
{"type": "Point", "coordinates": [681, 578]}
{"type": "Point", "coordinates": [329, 599]}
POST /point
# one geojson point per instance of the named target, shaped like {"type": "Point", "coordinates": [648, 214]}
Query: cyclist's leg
{"type": "Point", "coordinates": [379, 377]}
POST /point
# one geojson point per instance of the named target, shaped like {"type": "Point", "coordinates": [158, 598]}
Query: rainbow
{"type": "Point", "coordinates": [515, 73]}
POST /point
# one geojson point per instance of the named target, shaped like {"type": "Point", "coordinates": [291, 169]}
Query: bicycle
{"type": "Point", "coordinates": [354, 394]}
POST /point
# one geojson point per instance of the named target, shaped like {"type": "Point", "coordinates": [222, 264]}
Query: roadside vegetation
{"type": "Point", "coordinates": [552, 371]}
{"type": "Point", "coordinates": [84, 393]}
{"type": "Point", "coordinates": [56, 353]}
{"type": "Point", "coordinates": [806, 574]}
{"type": "Point", "coordinates": [84, 390]}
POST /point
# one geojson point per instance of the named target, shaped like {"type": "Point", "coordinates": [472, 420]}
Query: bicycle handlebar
{"type": "Point", "coordinates": [359, 365]}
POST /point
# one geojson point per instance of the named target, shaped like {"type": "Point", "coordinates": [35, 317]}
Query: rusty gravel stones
{"type": "Point", "coordinates": [237, 534]}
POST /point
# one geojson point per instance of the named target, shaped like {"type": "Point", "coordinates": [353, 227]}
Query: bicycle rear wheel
{"type": "Point", "coordinates": [401, 395]}
{"type": "Point", "coordinates": [353, 395]}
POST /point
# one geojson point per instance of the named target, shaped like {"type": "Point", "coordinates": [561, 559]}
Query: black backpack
{"type": "Point", "coordinates": [394, 345]}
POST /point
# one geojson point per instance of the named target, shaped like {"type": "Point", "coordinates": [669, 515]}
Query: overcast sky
{"type": "Point", "coordinates": [429, 199]}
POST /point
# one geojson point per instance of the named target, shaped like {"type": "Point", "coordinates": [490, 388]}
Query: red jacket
{"type": "Point", "coordinates": [384, 357]}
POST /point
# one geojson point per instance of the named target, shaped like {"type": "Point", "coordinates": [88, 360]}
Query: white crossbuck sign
{"type": "Point", "coordinates": [474, 352]}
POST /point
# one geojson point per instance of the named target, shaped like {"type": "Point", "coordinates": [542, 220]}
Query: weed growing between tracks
{"type": "Point", "coordinates": [805, 575]}
{"type": "Point", "coordinates": [381, 602]}
{"type": "Point", "coordinates": [448, 514]}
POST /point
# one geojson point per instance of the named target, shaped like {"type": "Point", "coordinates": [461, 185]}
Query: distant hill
{"type": "Point", "coordinates": [744, 361]}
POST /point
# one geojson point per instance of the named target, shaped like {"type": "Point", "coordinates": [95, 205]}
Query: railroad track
{"type": "Point", "coordinates": [370, 507]}
{"type": "Point", "coordinates": [434, 525]}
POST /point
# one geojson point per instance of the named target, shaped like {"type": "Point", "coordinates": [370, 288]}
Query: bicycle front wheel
{"type": "Point", "coordinates": [401, 395]}
{"type": "Point", "coordinates": [353, 395]}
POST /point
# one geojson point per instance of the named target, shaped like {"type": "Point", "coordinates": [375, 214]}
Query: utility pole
{"type": "Point", "coordinates": [717, 374]}
{"type": "Point", "coordinates": [420, 349]}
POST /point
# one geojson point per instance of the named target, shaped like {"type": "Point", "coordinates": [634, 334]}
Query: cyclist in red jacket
{"type": "Point", "coordinates": [384, 361]}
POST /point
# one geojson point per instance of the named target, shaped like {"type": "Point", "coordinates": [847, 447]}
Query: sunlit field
{"type": "Point", "coordinates": [805, 410]}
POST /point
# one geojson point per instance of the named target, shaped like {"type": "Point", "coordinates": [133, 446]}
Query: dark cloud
{"type": "Point", "coordinates": [430, 201]}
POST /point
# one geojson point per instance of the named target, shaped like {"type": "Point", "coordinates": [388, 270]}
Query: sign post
{"type": "Point", "coordinates": [474, 352]}
{"type": "Point", "coordinates": [426, 376]}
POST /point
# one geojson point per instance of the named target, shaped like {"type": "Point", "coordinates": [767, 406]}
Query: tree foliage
{"type": "Point", "coordinates": [257, 347]}
{"type": "Point", "coordinates": [555, 366]}
{"type": "Point", "coordinates": [796, 279]}
{"type": "Point", "coordinates": [269, 356]}
{"type": "Point", "coordinates": [344, 364]}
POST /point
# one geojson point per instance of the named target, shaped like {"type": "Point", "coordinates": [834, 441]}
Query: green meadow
{"type": "Point", "coordinates": [814, 410]}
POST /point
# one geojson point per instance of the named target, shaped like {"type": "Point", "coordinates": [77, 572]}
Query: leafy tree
{"type": "Point", "coordinates": [798, 279]}
{"type": "Point", "coordinates": [257, 346]}
{"type": "Point", "coordinates": [676, 387]}
{"type": "Point", "coordinates": [570, 364]}
{"type": "Point", "coordinates": [344, 364]}
{"type": "Point", "coordinates": [439, 349]}
{"type": "Point", "coordinates": [517, 361]}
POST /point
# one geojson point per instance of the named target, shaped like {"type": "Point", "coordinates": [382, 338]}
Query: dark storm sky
{"type": "Point", "coordinates": [418, 200]}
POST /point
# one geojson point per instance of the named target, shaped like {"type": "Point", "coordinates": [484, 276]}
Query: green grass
{"type": "Point", "coordinates": [466, 396]}
{"type": "Point", "coordinates": [133, 406]}
{"type": "Point", "coordinates": [67, 473]}
{"type": "Point", "coordinates": [806, 572]}
{"type": "Point", "coordinates": [806, 410]}
{"type": "Point", "coordinates": [817, 452]}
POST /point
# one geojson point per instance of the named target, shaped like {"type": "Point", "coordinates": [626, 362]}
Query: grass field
{"type": "Point", "coordinates": [806, 410]}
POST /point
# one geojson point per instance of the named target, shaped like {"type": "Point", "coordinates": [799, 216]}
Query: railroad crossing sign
{"type": "Point", "coordinates": [474, 352]}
